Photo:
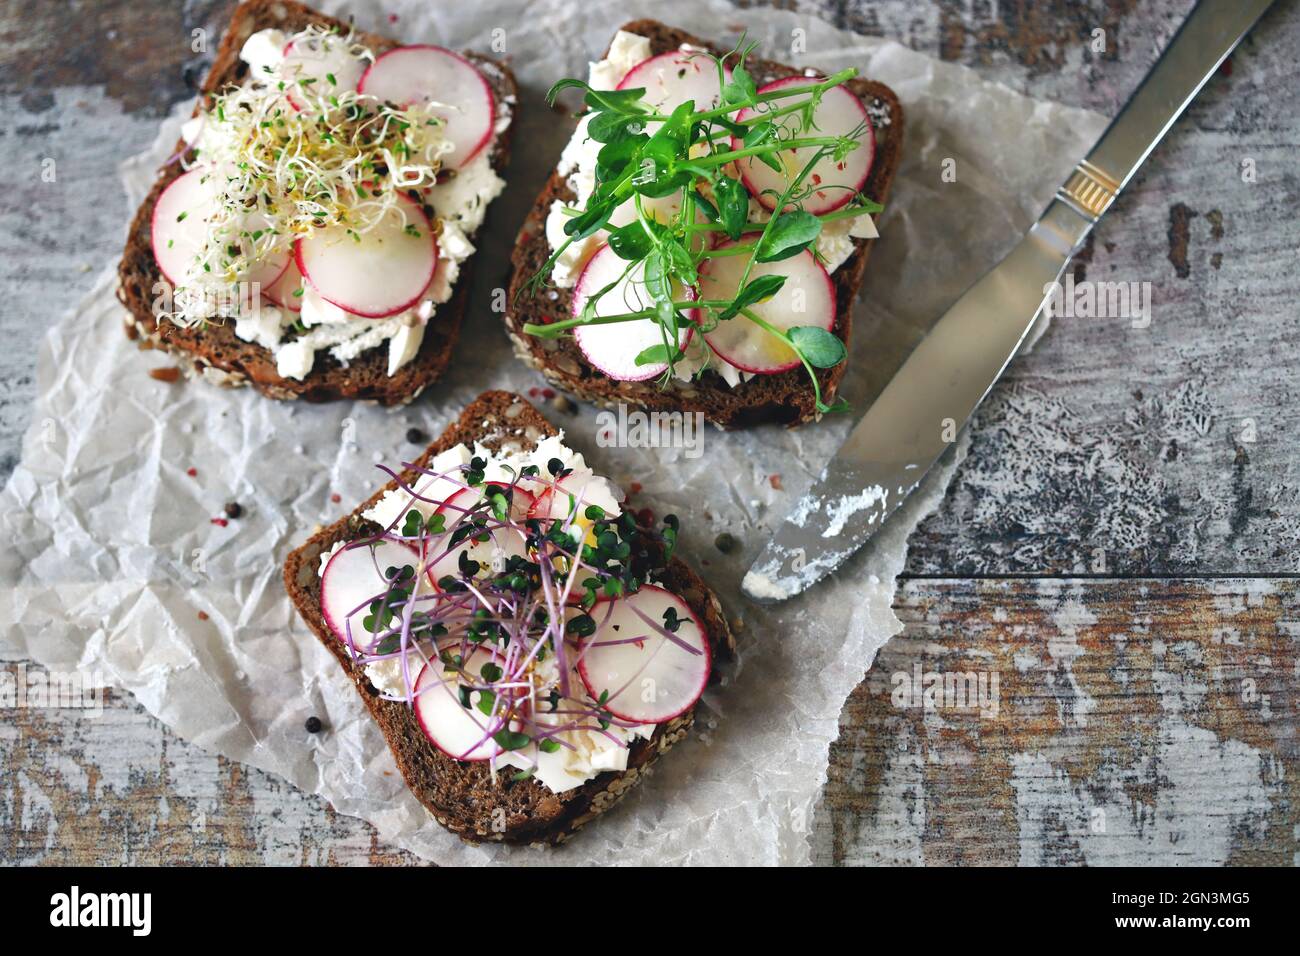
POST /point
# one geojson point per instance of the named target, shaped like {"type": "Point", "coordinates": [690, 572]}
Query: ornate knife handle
{"type": "Point", "coordinates": [1200, 46]}
{"type": "Point", "coordinates": [1088, 191]}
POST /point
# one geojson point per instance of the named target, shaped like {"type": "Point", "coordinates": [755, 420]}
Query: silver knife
{"type": "Point", "coordinates": [938, 388]}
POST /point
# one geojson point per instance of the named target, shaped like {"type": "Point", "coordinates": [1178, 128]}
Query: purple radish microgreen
{"type": "Point", "coordinates": [531, 608]}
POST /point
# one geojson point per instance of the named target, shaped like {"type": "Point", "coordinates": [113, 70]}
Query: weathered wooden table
{"type": "Point", "coordinates": [1120, 548]}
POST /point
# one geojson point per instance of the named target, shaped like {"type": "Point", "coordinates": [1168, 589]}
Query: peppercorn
{"type": "Point", "coordinates": [193, 71]}
{"type": "Point", "coordinates": [234, 509]}
{"type": "Point", "coordinates": [313, 725]}
{"type": "Point", "coordinates": [417, 436]}
{"type": "Point", "coordinates": [726, 543]}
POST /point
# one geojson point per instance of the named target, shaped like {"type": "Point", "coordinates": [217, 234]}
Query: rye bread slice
{"type": "Point", "coordinates": [785, 398]}
{"type": "Point", "coordinates": [463, 797]}
{"type": "Point", "coordinates": [214, 352]}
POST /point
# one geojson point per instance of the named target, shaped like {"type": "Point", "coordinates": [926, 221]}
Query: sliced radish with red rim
{"type": "Point", "coordinates": [311, 63]}
{"type": "Point", "coordinates": [503, 542]}
{"type": "Point", "coordinates": [613, 348]}
{"type": "Point", "coordinates": [269, 269]}
{"type": "Point", "coordinates": [458, 731]}
{"type": "Point", "coordinates": [669, 80]}
{"type": "Point", "coordinates": [561, 495]}
{"type": "Point", "coordinates": [425, 73]}
{"type": "Point", "coordinates": [377, 273]}
{"type": "Point", "coordinates": [642, 674]}
{"type": "Point", "coordinates": [464, 499]}
{"type": "Point", "coordinates": [354, 577]}
{"type": "Point", "coordinates": [285, 291]}
{"type": "Point", "coordinates": [839, 113]}
{"type": "Point", "coordinates": [662, 209]}
{"type": "Point", "coordinates": [181, 228]}
{"type": "Point", "coordinates": [672, 78]}
{"type": "Point", "coordinates": [807, 298]}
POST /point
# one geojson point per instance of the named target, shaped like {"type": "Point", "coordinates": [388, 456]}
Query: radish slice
{"type": "Point", "coordinates": [381, 272]}
{"type": "Point", "coordinates": [807, 298]}
{"type": "Point", "coordinates": [840, 113]}
{"type": "Point", "coordinates": [281, 291]}
{"type": "Point", "coordinates": [353, 578]}
{"type": "Point", "coordinates": [268, 270]}
{"type": "Point", "coordinates": [672, 78]}
{"type": "Point", "coordinates": [648, 677]}
{"type": "Point", "coordinates": [669, 80]}
{"type": "Point", "coordinates": [457, 731]}
{"type": "Point", "coordinates": [555, 503]}
{"type": "Point", "coordinates": [502, 543]}
{"type": "Point", "coordinates": [179, 230]}
{"type": "Point", "coordinates": [572, 495]}
{"type": "Point", "coordinates": [313, 61]}
{"type": "Point", "coordinates": [661, 209]}
{"type": "Point", "coordinates": [613, 348]}
{"type": "Point", "coordinates": [424, 73]}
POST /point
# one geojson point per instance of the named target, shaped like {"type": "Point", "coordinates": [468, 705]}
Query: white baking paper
{"type": "Point", "coordinates": [111, 553]}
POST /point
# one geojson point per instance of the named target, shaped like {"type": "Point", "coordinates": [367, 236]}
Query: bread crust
{"type": "Point", "coordinates": [785, 398]}
{"type": "Point", "coordinates": [463, 797]}
{"type": "Point", "coordinates": [215, 353]}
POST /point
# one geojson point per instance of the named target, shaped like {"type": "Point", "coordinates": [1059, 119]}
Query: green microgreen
{"type": "Point", "coordinates": [647, 154]}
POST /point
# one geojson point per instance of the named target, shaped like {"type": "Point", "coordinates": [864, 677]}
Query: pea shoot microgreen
{"type": "Point", "coordinates": [646, 153]}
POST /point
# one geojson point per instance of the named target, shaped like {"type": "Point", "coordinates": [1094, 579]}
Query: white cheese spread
{"type": "Point", "coordinates": [578, 167]}
{"type": "Point", "coordinates": [295, 339]}
{"type": "Point", "coordinates": [589, 751]}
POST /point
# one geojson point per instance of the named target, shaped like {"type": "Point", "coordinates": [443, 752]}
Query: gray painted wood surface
{"type": "Point", "coordinates": [1120, 548]}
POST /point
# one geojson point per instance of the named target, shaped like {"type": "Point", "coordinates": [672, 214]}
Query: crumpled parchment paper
{"type": "Point", "coordinates": [112, 553]}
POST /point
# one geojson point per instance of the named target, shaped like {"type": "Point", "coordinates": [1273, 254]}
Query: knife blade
{"type": "Point", "coordinates": [932, 396]}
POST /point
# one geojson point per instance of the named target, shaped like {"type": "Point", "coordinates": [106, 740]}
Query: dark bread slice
{"type": "Point", "coordinates": [462, 796]}
{"type": "Point", "coordinates": [214, 352]}
{"type": "Point", "coordinates": [785, 398]}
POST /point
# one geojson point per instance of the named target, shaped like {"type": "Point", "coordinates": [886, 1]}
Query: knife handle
{"type": "Point", "coordinates": [1210, 32]}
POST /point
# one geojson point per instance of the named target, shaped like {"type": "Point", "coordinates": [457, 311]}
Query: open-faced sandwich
{"type": "Point", "coordinates": [527, 644]}
{"type": "Point", "coordinates": [311, 237]}
{"type": "Point", "coordinates": [699, 246]}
